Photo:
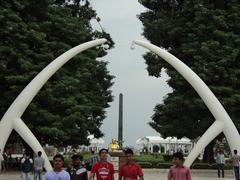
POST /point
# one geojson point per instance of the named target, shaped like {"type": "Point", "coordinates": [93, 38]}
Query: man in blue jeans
{"type": "Point", "coordinates": [220, 163]}
{"type": "Point", "coordinates": [26, 166]}
{"type": "Point", "coordinates": [38, 166]}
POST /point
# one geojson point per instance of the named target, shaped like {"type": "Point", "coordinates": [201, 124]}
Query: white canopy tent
{"type": "Point", "coordinates": [169, 144]}
{"type": "Point", "coordinates": [95, 143]}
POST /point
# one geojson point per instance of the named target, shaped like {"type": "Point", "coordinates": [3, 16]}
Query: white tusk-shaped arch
{"type": "Point", "coordinates": [223, 122]}
{"type": "Point", "coordinates": [12, 118]}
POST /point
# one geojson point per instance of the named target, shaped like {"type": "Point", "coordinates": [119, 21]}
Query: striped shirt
{"type": "Point", "coordinates": [236, 159]}
{"type": "Point", "coordinates": [179, 173]}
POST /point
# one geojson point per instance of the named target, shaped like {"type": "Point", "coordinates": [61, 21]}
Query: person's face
{"type": "Point", "coordinates": [76, 162]}
{"type": "Point", "coordinates": [103, 155]}
{"type": "Point", "coordinates": [129, 157]}
{"type": "Point", "coordinates": [58, 163]}
{"type": "Point", "coordinates": [177, 161]}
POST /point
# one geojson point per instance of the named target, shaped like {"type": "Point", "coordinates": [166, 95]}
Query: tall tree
{"type": "Point", "coordinates": [72, 103]}
{"type": "Point", "coordinates": [205, 35]}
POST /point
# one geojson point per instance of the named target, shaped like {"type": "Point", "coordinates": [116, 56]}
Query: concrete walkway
{"type": "Point", "coordinates": [149, 174]}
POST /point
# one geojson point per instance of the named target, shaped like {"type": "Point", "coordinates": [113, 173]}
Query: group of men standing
{"type": "Point", "coordinates": [101, 169]}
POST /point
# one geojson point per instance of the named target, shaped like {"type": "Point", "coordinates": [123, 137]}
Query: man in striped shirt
{"type": "Point", "coordinates": [235, 160]}
{"type": "Point", "coordinates": [94, 159]}
{"type": "Point", "coordinates": [179, 171]}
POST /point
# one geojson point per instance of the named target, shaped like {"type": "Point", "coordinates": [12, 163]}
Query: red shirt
{"type": "Point", "coordinates": [103, 170]}
{"type": "Point", "coordinates": [179, 173]}
{"type": "Point", "coordinates": [130, 171]}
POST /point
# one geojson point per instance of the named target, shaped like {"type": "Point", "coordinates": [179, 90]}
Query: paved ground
{"type": "Point", "coordinates": [149, 174]}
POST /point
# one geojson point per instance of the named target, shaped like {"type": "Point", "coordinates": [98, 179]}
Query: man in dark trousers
{"type": "Point", "coordinates": [26, 166]}
{"type": "Point", "coordinates": [235, 161]}
{"type": "Point", "coordinates": [38, 166]}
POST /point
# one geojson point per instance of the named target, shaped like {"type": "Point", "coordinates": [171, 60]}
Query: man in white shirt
{"type": "Point", "coordinates": [38, 166]}
{"type": "Point", "coordinates": [220, 162]}
{"type": "Point", "coordinates": [57, 173]}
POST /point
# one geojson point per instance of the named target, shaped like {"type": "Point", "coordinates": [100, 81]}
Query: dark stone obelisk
{"type": "Point", "coordinates": [120, 121]}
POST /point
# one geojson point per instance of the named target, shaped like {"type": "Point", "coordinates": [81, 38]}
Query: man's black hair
{"type": "Point", "coordinates": [128, 151]}
{"type": "Point", "coordinates": [27, 153]}
{"type": "Point", "coordinates": [103, 149]}
{"type": "Point", "coordinates": [58, 156]}
{"type": "Point", "coordinates": [39, 153]}
{"type": "Point", "coordinates": [235, 151]}
{"type": "Point", "coordinates": [178, 155]}
{"type": "Point", "coordinates": [77, 156]}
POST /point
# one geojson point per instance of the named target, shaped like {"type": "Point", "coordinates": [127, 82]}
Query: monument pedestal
{"type": "Point", "coordinates": [117, 159]}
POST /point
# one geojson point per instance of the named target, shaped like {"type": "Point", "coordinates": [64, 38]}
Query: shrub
{"type": "Point", "coordinates": [145, 164]}
{"type": "Point", "coordinates": [208, 166]}
{"type": "Point", "coordinates": [167, 157]}
{"type": "Point", "coordinates": [163, 165]}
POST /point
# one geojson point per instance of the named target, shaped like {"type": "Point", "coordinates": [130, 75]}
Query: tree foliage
{"type": "Point", "coordinates": [72, 103]}
{"type": "Point", "coordinates": [204, 35]}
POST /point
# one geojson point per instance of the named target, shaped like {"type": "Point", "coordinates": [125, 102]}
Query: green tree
{"type": "Point", "coordinates": [204, 35]}
{"type": "Point", "coordinates": [72, 103]}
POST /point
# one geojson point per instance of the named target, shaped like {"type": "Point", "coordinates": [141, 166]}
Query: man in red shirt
{"type": "Point", "coordinates": [131, 170]}
{"type": "Point", "coordinates": [179, 171]}
{"type": "Point", "coordinates": [103, 169]}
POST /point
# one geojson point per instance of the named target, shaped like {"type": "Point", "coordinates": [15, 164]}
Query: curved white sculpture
{"type": "Point", "coordinates": [223, 122]}
{"type": "Point", "coordinates": [11, 119]}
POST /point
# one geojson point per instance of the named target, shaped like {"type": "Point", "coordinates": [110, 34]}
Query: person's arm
{"type": "Point", "coordinates": [189, 175]}
{"type": "Point", "coordinates": [45, 177]}
{"type": "Point", "coordinates": [112, 170]}
{"type": "Point", "coordinates": [140, 173]}
{"type": "Point", "coordinates": [120, 174]}
{"type": "Point", "coordinates": [34, 163]}
{"type": "Point", "coordinates": [169, 175]}
{"type": "Point", "coordinates": [93, 172]}
{"type": "Point", "coordinates": [112, 173]}
{"type": "Point", "coordinates": [85, 176]}
{"type": "Point", "coordinates": [33, 167]}
{"type": "Point", "coordinates": [90, 177]}
{"type": "Point", "coordinates": [223, 159]}
{"type": "Point", "coordinates": [43, 165]}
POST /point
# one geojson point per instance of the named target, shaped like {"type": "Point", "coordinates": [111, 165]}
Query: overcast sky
{"type": "Point", "coordinates": [140, 92]}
